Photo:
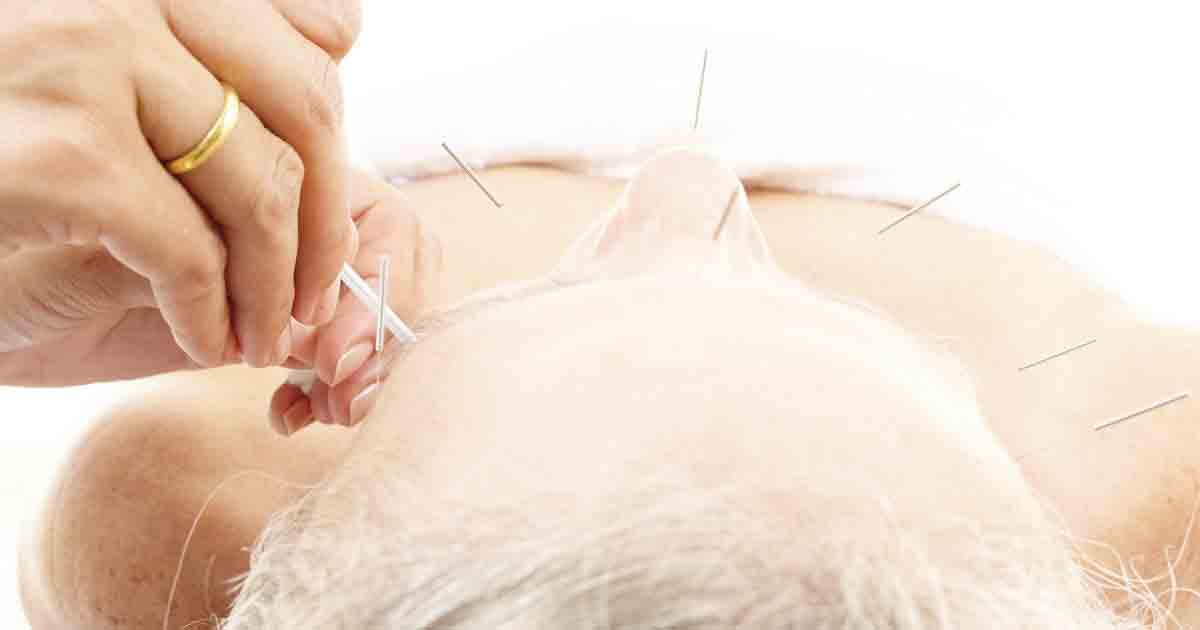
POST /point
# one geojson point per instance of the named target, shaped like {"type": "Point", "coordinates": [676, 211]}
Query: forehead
{"type": "Point", "coordinates": [589, 384]}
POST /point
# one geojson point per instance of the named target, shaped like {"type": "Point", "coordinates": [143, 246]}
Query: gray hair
{"type": "Point", "coordinates": [666, 556]}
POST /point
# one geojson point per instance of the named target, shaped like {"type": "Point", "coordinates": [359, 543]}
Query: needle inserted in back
{"type": "Point", "coordinates": [361, 290]}
{"type": "Point", "coordinates": [470, 173]}
{"type": "Point", "coordinates": [1129, 416]}
{"type": "Point", "coordinates": [1058, 354]}
{"type": "Point", "coordinates": [917, 209]}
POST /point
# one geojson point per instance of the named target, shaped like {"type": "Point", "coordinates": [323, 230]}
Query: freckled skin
{"type": "Point", "coordinates": [105, 552]}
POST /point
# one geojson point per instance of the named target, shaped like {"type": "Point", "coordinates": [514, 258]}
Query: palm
{"type": "Point", "coordinates": [121, 345]}
{"type": "Point", "coordinates": [113, 331]}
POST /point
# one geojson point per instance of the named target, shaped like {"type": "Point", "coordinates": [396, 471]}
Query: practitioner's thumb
{"type": "Point", "coordinates": [49, 292]}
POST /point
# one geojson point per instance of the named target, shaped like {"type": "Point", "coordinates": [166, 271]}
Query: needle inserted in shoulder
{"type": "Point", "coordinates": [470, 173]}
{"type": "Point", "coordinates": [361, 290]}
{"type": "Point", "coordinates": [918, 209]}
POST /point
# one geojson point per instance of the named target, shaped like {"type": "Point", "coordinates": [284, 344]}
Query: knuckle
{"type": "Point", "coordinates": [67, 149]}
{"type": "Point", "coordinates": [337, 234]}
{"type": "Point", "coordinates": [279, 310]}
{"type": "Point", "coordinates": [201, 274]}
{"type": "Point", "coordinates": [324, 249]}
{"type": "Point", "coordinates": [112, 18]}
{"type": "Point", "coordinates": [345, 25]}
{"type": "Point", "coordinates": [72, 149]}
{"type": "Point", "coordinates": [86, 25]}
{"type": "Point", "coordinates": [331, 235]}
{"type": "Point", "coordinates": [275, 203]}
{"type": "Point", "coordinates": [323, 102]}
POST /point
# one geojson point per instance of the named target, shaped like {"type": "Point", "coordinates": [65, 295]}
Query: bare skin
{"type": "Point", "coordinates": [111, 535]}
{"type": "Point", "coordinates": [102, 93]}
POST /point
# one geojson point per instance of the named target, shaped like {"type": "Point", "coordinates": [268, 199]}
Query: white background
{"type": "Point", "coordinates": [1098, 103]}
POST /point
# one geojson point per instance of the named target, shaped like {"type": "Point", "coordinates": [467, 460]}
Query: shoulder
{"type": "Point", "coordinates": [164, 483]}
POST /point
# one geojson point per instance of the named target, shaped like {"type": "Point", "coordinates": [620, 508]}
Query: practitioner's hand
{"type": "Point", "coordinates": [94, 96]}
{"type": "Point", "coordinates": [93, 318]}
{"type": "Point", "coordinates": [342, 352]}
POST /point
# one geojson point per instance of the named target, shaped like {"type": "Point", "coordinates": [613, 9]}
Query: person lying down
{"type": "Point", "coordinates": [720, 409]}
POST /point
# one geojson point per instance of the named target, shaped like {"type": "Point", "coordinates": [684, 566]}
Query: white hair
{"type": "Point", "coordinates": [666, 556]}
{"type": "Point", "coordinates": [367, 552]}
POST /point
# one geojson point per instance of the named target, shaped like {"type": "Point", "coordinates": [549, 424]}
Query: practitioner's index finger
{"type": "Point", "coordinates": [326, 239]}
{"type": "Point", "coordinates": [325, 236]}
{"type": "Point", "coordinates": [325, 225]}
{"type": "Point", "coordinates": [250, 188]}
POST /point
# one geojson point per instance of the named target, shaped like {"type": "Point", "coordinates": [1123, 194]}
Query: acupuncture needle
{"type": "Point", "coordinates": [700, 92]}
{"type": "Point", "coordinates": [1147, 409]}
{"type": "Point", "coordinates": [471, 173]}
{"type": "Point", "coordinates": [1060, 353]}
{"type": "Point", "coordinates": [385, 264]}
{"type": "Point", "coordinates": [917, 209]}
{"type": "Point", "coordinates": [363, 292]}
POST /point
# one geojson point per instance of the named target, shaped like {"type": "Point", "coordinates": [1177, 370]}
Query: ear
{"type": "Point", "coordinates": [678, 194]}
{"type": "Point", "coordinates": [683, 207]}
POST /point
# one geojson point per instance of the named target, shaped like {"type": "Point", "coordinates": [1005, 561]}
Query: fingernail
{"type": "Point", "coordinates": [255, 352]}
{"type": "Point", "coordinates": [283, 347]}
{"type": "Point", "coordinates": [362, 403]}
{"type": "Point", "coordinates": [351, 361]}
{"type": "Point", "coordinates": [328, 304]}
{"type": "Point", "coordinates": [233, 350]}
{"type": "Point", "coordinates": [278, 424]}
{"type": "Point", "coordinates": [354, 242]}
{"type": "Point", "coordinates": [297, 415]}
{"type": "Point", "coordinates": [303, 309]}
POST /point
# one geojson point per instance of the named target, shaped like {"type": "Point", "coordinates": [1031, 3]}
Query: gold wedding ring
{"type": "Point", "coordinates": [212, 140]}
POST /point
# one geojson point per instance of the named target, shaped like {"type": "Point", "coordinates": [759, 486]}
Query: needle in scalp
{"type": "Point", "coordinates": [1147, 409]}
{"type": "Point", "coordinates": [385, 265]}
{"type": "Point", "coordinates": [918, 208]}
{"type": "Point", "coordinates": [470, 173]}
{"type": "Point", "coordinates": [1078, 346]}
{"type": "Point", "coordinates": [700, 94]}
{"type": "Point", "coordinates": [365, 294]}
